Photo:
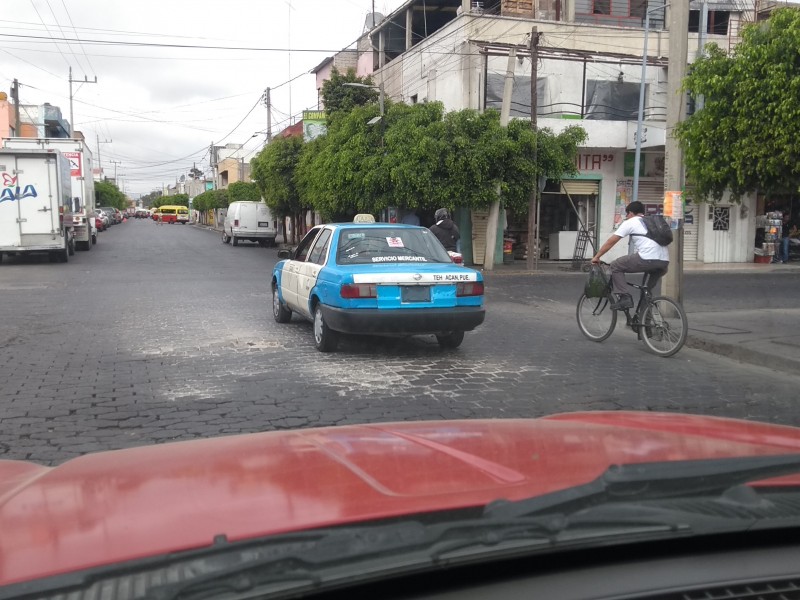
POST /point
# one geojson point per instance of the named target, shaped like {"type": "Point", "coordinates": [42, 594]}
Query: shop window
{"type": "Point", "coordinates": [721, 216]}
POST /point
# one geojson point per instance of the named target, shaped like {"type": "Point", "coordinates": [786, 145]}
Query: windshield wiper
{"type": "Point", "coordinates": [652, 481]}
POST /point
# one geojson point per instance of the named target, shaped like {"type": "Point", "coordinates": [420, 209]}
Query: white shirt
{"type": "Point", "coordinates": [646, 248]}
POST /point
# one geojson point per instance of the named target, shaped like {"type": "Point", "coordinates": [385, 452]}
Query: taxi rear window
{"type": "Point", "coordinates": [376, 245]}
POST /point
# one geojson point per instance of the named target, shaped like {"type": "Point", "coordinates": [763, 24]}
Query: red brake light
{"type": "Point", "coordinates": [359, 290]}
{"type": "Point", "coordinates": [473, 288]}
{"type": "Point", "coordinates": [236, 222]}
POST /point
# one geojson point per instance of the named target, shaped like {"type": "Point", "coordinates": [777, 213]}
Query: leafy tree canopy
{"type": "Point", "coordinates": [108, 194]}
{"type": "Point", "coordinates": [148, 199]}
{"type": "Point", "coordinates": [210, 200]}
{"type": "Point", "coordinates": [244, 191]}
{"type": "Point", "coordinates": [273, 171]}
{"type": "Point", "coordinates": [747, 136]}
{"type": "Point", "coordinates": [340, 98]}
{"type": "Point", "coordinates": [421, 157]}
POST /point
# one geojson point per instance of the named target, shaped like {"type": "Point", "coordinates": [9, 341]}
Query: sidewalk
{"type": "Point", "coordinates": [764, 337]}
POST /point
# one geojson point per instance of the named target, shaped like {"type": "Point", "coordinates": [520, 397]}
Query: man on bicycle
{"type": "Point", "coordinates": [648, 255]}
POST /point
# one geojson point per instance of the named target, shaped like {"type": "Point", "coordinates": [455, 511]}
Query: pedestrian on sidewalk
{"type": "Point", "coordinates": [788, 230]}
{"type": "Point", "coordinates": [648, 255]}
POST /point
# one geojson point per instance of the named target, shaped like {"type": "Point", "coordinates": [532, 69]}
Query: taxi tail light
{"type": "Point", "coordinates": [473, 288]}
{"type": "Point", "coordinates": [359, 290]}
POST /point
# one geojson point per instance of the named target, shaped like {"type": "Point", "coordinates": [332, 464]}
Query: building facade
{"type": "Point", "coordinates": [589, 74]}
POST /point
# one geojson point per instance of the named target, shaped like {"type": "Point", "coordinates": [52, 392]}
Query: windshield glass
{"type": "Point", "coordinates": [374, 245]}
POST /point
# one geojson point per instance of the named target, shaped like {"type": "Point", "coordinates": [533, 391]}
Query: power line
{"type": "Point", "coordinates": [66, 10]}
{"type": "Point", "coordinates": [48, 32]}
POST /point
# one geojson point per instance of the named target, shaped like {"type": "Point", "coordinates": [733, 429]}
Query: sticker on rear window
{"type": "Point", "coordinates": [383, 259]}
{"type": "Point", "coordinates": [355, 236]}
{"type": "Point", "coordinates": [395, 242]}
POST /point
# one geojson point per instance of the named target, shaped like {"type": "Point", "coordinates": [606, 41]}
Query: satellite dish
{"type": "Point", "coordinates": [182, 179]}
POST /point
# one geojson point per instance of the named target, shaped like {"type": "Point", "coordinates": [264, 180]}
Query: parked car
{"type": "Point", "coordinates": [114, 215]}
{"type": "Point", "coordinates": [582, 505]}
{"type": "Point", "coordinates": [376, 278]}
{"type": "Point", "coordinates": [250, 221]}
{"type": "Point", "coordinates": [101, 219]}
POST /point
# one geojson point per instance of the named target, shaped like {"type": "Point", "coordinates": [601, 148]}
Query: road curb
{"type": "Point", "coordinates": [743, 354]}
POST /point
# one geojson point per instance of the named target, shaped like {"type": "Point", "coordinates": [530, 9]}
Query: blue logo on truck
{"type": "Point", "coordinates": [11, 191]}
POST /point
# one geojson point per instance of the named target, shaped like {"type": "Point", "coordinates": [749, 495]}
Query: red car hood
{"type": "Point", "coordinates": [110, 507]}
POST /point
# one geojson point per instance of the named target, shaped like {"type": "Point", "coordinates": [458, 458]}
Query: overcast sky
{"type": "Point", "coordinates": [156, 107]}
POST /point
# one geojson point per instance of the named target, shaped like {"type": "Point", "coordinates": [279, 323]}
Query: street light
{"type": "Point", "coordinates": [640, 117]}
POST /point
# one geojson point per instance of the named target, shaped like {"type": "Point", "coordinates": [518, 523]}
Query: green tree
{"type": "Point", "coordinates": [243, 191]}
{"type": "Point", "coordinates": [210, 200]}
{"type": "Point", "coordinates": [747, 136]}
{"type": "Point", "coordinates": [150, 198]}
{"type": "Point", "coordinates": [424, 158]}
{"type": "Point", "coordinates": [176, 200]}
{"type": "Point", "coordinates": [273, 173]}
{"type": "Point", "coordinates": [108, 194]}
{"type": "Point", "coordinates": [339, 98]}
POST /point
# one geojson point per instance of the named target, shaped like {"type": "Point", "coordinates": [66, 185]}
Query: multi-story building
{"type": "Point", "coordinates": [230, 164]}
{"type": "Point", "coordinates": [589, 73]}
{"type": "Point", "coordinates": [35, 121]}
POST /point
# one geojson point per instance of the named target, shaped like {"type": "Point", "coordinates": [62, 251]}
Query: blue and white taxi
{"type": "Point", "coordinates": [376, 278]}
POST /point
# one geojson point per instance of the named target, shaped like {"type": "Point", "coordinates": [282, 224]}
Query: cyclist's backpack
{"type": "Point", "coordinates": [658, 229]}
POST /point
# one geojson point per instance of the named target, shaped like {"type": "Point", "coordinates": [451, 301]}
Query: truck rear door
{"type": "Point", "coordinates": [38, 195]}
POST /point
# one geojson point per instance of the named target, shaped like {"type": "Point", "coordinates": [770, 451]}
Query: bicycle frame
{"type": "Point", "coordinates": [645, 297]}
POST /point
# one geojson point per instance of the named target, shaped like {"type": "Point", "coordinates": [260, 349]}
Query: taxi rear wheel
{"type": "Point", "coordinates": [280, 311]}
{"type": "Point", "coordinates": [450, 340]}
{"type": "Point", "coordinates": [325, 339]}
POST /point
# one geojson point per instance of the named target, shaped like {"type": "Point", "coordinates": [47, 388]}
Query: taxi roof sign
{"type": "Point", "coordinates": [364, 218]}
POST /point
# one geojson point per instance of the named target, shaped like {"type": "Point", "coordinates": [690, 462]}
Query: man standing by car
{"type": "Point", "coordinates": [445, 230]}
{"type": "Point", "coordinates": [648, 255]}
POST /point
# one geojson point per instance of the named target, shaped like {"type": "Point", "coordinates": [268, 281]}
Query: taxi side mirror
{"type": "Point", "coordinates": [284, 253]}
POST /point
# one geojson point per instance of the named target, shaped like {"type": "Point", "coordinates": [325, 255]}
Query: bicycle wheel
{"type": "Point", "coordinates": [596, 320]}
{"type": "Point", "coordinates": [664, 326]}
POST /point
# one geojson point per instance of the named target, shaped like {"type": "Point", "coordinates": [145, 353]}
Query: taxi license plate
{"type": "Point", "coordinates": [415, 293]}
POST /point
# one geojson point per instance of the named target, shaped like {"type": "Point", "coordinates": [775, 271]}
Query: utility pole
{"type": "Point", "coordinates": [269, 115]}
{"type": "Point", "coordinates": [533, 206]}
{"type": "Point", "coordinates": [15, 97]}
{"type": "Point", "coordinates": [116, 162]}
{"type": "Point", "coordinates": [673, 156]}
{"type": "Point", "coordinates": [99, 163]}
{"type": "Point", "coordinates": [494, 209]}
{"type": "Point", "coordinates": [71, 81]}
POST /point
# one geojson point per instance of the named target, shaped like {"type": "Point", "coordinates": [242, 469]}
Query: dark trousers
{"type": "Point", "coordinates": [632, 263]}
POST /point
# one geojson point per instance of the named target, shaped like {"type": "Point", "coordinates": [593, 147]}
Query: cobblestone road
{"type": "Point", "coordinates": [164, 333]}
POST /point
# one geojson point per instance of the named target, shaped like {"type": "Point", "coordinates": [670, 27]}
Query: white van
{"type": "Point", "coordinates": [249, 221]}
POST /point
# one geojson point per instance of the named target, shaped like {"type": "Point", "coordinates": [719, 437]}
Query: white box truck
{"type": "Point", "coordinates": [82, 194]}
{"type": "Point", "coordinates": [35, 203]}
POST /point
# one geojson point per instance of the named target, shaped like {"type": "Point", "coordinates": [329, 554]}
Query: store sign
{"type": "Point", "coordinates": [592, 162]}
{"type": "Point", "coordinates": [653, 134]}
